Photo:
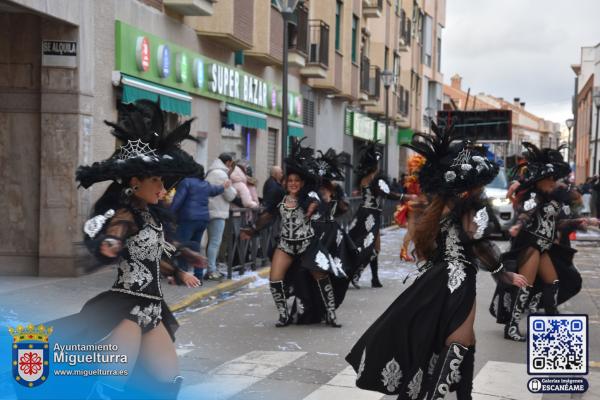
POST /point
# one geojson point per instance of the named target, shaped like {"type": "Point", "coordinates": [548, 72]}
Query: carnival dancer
{"type": "Point", "coordinates": [127, 230]}
{"type": "Point", "coordinates": [420, 346]}
{"type": "Point", "coordinates": [307, 307]}
{"type": "Point", "coordinates": [535, 251]}
{"type": "Point", "coordinates": [299, 248]}
{"type": "Point", "coordinates": [365, 226]}
{"type": "Point", "coordinates": [409, 211]}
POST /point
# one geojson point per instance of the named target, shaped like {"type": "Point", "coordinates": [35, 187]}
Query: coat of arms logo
{"type": "Point", "coordinates": [30, 350]}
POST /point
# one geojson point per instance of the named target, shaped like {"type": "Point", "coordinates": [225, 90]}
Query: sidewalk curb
{"type": "Point", "coordinates": [226, 286]}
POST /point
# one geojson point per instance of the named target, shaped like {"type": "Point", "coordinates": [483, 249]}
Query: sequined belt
{"type": "Point", "coordinates": [138, 294]}
{"type": "Point", "coordinates": [550, 240]}
{"type": "Point", "coordinates": [297, 239]}
{"type": "Point", "coordinates": [372, 208]}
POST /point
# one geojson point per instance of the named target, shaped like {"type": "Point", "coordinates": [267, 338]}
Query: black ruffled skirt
{"type": "Point", "coordinates": [399, 350]}
{"type": "Point", "coordinates": [568, 275]}
{"type": "Point", "coordinates": [306, 303]}
{"type": "Point", "coordinates": [340, 246]}
{"type": "Point", "coordinates": [101, 314]}
{"type": "Point", "coordinates": [364, 231]}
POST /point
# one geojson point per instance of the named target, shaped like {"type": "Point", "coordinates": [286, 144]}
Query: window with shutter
{"type": "Point", "coordinates": [308, 112]}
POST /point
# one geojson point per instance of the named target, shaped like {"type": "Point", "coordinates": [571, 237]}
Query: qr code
{"type": "Point", "coordinates": [557, 344]}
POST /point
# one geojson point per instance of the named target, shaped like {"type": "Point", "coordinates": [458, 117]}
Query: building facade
{"type": "Point", "coordinates": [587, 159]}
{"type": "Point", "coordinates": [526, 127]}
{"type": "Point", "coordinates": [218, 61]}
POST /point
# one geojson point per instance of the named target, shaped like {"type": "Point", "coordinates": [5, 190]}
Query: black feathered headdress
{"type": "Point", "coordinates": [368, 159]}
{"type": "Point", "coordinates": [147, 150]}
{"type": "Point", "coordinates": [330, 165]}
{"type": "Point", "coordinates": [452, 165]}
{"type": "Point", "coordinates": [540, 164]}
{"type": "Point", "coordinates": [301, 161]}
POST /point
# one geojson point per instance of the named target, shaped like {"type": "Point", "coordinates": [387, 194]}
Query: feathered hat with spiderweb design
{"type": "Point", "coordinates": [540, 164]}
{"type": "Point", "coordinates": [452, 165]}
{"type": "Point", "coordinates": [368, 159]}
{"type": "Point", "coordinates": [301, 161]}
{"type": "Point", "coordinates": [330, 165]}
{"type": "Point", "coordinates": [147, 150]}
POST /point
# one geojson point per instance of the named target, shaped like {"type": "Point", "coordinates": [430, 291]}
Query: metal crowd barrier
{"type": "Point", "coordinates": [242, 255]}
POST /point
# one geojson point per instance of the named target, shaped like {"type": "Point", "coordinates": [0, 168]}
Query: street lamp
{"type": "Point", "coordinates": [429, 117]}
{"type": "Point", "coordinates": [569, 124]}
{"type": "Point", "coordinates": [388, 79]}
{"type": "Point", "coordinates": [596, 97]}
{"type": "Point", "coordinates": [286, 8]}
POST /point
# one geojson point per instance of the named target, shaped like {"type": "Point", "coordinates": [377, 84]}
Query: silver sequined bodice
{"type": "Point", "coordinates": [139, 266]}
{"type": "Point", "coordinates": [543, 225]}
{"type": "Point", "coordinates": [294, 224]}
{"type": "Point", "coordinates": [369, 200]}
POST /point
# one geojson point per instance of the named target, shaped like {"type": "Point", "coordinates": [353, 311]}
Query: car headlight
{"type": "Point", "coordinates": [496, 202]}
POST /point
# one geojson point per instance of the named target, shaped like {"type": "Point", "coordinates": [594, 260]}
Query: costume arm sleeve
{"type": "Point", "coordinates": [395, 196]}
{"type": "Point", "coordinates": [527, 210]}
{"type": "Point", "coordinates": [382, 188]}
{"type": "Point", "coordinates": [264, 219]}
{"type": "Point", "coordinates": [118, 228]}
{"type": "Point", "coordinates": [487, 253]}
{"type": "Point", "coordinates": [569, 223]}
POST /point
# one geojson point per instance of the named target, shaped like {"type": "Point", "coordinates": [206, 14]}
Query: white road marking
{"type": "Point", "coordinates": [342, 386]}
{"type": "Point", "coordinates": [236, 375]}
{"type": "Point", "coordinates": [182, 352]}
{"type": "Point", "coordinates": [502, 380]}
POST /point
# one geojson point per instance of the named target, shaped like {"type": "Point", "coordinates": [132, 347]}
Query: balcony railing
{"type": "Point", "coordinates": [365, 66]}
{"type": "Point", "coordinates": [298, 30]}
{"type": "Point", "coordinates": [318, 43]}
{"type": "Point", "coordinates": [372, 8]}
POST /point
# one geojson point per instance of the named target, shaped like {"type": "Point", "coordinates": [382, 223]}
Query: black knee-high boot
{"type": "Point", "coordinates": [356, 277]}
{"type": "Point", "coordinates": [550, 297]}
{"type": "Point", "coordinates": [446, 372]}
{"type": "Point", "coordinates": [465, 385]}
{"type": "Point", "coordinates": [374, 272]}
{"type": "Point", "coordinates": [278, 293]}
{"type": "Point", "coordinates": [326, 290]}
{"type": "Point", "coordinates": [511, 329]}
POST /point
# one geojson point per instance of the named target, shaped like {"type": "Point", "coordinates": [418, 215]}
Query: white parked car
{"type": "Point", "coordinates": [501, 218]}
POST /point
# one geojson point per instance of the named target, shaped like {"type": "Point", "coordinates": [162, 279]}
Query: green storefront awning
{"type": "Point", "coordinates": [170, 100]}
{"type": "Point", "coordinates": [405, 135]}
{"type": "Point", "coordinates": [245, 117]}
{"type": "Point", "coordinates": [295, 129]}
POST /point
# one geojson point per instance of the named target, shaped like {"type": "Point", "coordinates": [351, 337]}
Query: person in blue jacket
{"type": "Point", "coordinates": [190, 206]}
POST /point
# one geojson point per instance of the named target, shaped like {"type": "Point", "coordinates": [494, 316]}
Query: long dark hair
{"type": "Point", "coordinates": [428, 226]}
{"type": "Point", "coordinates": [112, 198]}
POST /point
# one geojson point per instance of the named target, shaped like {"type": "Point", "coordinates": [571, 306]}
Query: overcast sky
{"type": "Point", "coordinates": [520, 48]}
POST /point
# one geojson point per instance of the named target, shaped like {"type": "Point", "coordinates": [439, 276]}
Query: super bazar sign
{"type": "Point", "coordinates": [229, 82]}
{"type": "Point", "coordinates": [151, 58]}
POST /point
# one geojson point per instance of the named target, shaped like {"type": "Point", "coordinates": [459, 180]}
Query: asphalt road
{"type": "Point", "coordinates": [230, 349]}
